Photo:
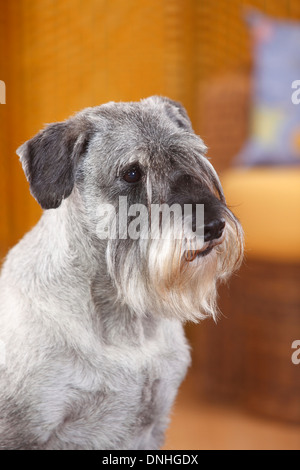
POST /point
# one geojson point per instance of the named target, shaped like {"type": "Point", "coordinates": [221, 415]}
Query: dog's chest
{"type": "Point", "coordinates": [126, 400]}
{"type": "Point", "coordinates": [146, 370]}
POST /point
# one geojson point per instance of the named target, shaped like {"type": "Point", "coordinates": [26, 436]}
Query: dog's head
{"type": "Point", "coordinates": [143, 179]}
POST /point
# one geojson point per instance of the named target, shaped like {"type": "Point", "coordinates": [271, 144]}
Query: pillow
{"type": "Point", "coordinates": [275, 119]}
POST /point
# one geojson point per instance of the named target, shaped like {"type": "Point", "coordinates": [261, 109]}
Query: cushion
{"type": "Point", "coordinates": [275, 129]}
{"type": "Point", "coordinates": [267, 202]}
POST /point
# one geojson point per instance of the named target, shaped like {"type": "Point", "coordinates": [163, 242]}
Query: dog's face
{"type": "Point", "coordinates": [122, 154]}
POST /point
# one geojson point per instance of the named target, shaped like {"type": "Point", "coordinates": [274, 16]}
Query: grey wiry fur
{"type": "Point", "coordinates": [92, 329]}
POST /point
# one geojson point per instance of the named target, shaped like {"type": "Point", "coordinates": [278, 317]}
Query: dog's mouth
{"type": "Point", "coordinates": [191, 255]}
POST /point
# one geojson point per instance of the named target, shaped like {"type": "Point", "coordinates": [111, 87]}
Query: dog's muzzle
{"type": "Point", "coordinates": [213, 236]}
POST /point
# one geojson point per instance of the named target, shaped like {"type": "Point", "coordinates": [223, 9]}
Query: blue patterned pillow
{"type": "Point", "coordinates": [275, 120]}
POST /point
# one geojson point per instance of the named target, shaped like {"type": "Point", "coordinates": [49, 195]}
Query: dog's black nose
{"type": "Point", "coordinates": [214, 230]}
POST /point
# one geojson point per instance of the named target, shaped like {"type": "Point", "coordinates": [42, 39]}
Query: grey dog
{"type": "Point", "coordinates": [92, 327]}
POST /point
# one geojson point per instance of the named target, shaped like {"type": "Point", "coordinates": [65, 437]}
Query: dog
{"type": "Point", "coordinates": [92, 326]}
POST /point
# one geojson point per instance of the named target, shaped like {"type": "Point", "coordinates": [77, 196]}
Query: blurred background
{"type": "Point", "coordinates": [232, 67]}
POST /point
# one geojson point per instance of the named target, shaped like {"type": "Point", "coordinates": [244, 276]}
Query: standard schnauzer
{"type": "Point", "coordinates": [92, 326]}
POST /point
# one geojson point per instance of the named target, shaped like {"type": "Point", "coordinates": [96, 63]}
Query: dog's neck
{"type": "Point", "coordinates": [79, 254]}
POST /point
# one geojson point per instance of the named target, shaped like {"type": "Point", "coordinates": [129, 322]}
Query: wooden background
{"type": "Point", "coordinates": [58, 56]}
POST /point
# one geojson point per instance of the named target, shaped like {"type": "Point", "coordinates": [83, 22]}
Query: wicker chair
{"type": "Point", "coordinates": [246, 359]}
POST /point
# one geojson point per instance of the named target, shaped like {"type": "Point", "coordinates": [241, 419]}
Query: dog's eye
{"type": "Point", "coordinates": [133, 175]}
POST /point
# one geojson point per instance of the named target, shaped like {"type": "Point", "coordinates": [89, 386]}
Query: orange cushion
{"type": "Point", "coordinates": [267, 202]}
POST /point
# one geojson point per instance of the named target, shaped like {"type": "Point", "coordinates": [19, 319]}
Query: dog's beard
{"type": "Point", "coordinates": [157, 276]}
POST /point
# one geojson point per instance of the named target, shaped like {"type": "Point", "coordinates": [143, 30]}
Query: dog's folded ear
{"type": "Point", "coordinates": [177, 113]}
{"type": "Point", "coordinates": [50, 160]}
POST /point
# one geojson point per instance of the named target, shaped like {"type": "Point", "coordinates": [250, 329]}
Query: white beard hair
{"type": "Point", "coordinates": [155, 278]}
